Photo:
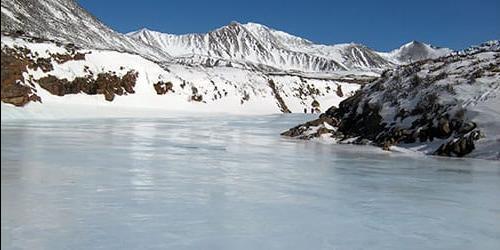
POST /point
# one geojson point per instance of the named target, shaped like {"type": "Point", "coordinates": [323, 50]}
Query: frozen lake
{"type": "Point", "coordinates": [216, 182]}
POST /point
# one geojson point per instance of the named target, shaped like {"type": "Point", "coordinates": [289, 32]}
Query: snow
{"type": "Point", "coordinates": [413, 51]}
{"type": "Point", "coordinates": [10, 14]}
{"type": "Point", "coordinates": [255, 44]}
{"type": "Point", "coordinates": [481, 99]}
{"type": "Point", "coordinates": [209, 81]}
{"type": "Point", "coordinates": [418, 96]}
{"type": "Point", "coordinates": [487, 115]}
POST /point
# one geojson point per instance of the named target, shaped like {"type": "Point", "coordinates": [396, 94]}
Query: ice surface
{"type": "Point", "coordinates": [213, 182]}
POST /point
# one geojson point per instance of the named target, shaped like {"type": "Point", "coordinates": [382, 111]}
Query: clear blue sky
{"type": "Point", "coordinates": [379, 24]}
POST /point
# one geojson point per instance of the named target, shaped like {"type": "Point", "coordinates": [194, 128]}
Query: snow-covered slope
{"type": "Point", "coordinates": [257, 44]}
{"type": "Point", "coordinates": [44, 76]}
{"type": "Point", "coordinates": [415, 51]}
{"type": "Point", "coordinates": [236, 43]}
{"type": "Point", "coordinates": [66, 21]}
{"type": "Point", "coordinates": [446, 106]}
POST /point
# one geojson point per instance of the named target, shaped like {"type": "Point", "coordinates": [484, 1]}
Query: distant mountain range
{"type": "Point", "coordinates": [249, 45]}
{"type": "Point", "coordinates": [259, 44]}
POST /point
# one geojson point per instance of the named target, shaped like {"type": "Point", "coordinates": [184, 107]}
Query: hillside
{"type": "Point", "coordinates": [446, 106]}
{"type": "Point", "coordinates": [39, 72]}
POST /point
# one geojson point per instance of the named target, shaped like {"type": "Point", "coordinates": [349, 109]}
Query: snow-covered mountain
{"type": "Point", "coordinates": [415, 51]}
{"type": "Point", "coordinates": [250, 46]}
{"type": "Point", "coordinates": [243, 69]}
{"type": "Point", "coordinates": [257, 44]}
{"type": "Point", "coordinates": [446, 106]}
{"type": "Point", "coordinates": [66, 21]}
{"type": "Point", "coordinates": [42, 76]}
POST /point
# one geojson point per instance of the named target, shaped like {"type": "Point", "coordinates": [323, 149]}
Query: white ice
{"type": "Point", "coordinates": [230, 182]}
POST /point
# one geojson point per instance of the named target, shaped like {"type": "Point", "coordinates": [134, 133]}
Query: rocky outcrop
{"type": "Point", "coordinates": [311, 129]}
{"type": "Point", "coordinates": [108, 84]}
{"type": "Point", "coordinates": [423, 102]}
{"type": "Point", "coordinates": [16, 61]}
{"type": "Point", "coordinates": [460, 146]}
{"type": "Point", "coordinates": [279, 99]}
{"type": "Point", "coordinates": [13, 65]}
{"type": "Point", "coordinates": [62, 58]}
{"type": "Point", "coordinates": [340, 93]}
{"type": "Point", "coordinates": [162, 88]}
{"type": "Point", "coordinates": [17, 90]}
{"type": "Point", "coordinates": [197, 97]}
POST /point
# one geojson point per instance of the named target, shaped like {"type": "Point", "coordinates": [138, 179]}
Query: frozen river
{"type": "Point", "coordinates": [215, 182]}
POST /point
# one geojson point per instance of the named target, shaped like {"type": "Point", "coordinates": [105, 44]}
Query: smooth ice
{"type": "Point", "coordinates": [231, 182]}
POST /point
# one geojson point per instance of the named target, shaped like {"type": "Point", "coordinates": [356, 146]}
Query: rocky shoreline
{"type": "Point", "coordinates": [422, 102]}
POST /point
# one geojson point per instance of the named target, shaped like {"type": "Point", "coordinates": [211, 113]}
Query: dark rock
{"type": "Point", "coordinates": [467, 127]}
{"type": "Point", "coordinates": [163, 87]}
{"type": "Point", "coordinates": [339, 91]}
{"type": "Point", "coordinates": [107, 84]}
{"type": "Point", "coordinates": [13, 65]}
{"type": "Point", "coordinates": [281, 103]}
{"type": "Point", "coordinates": [460, 146]}
{"type": "Point", "coordinates": [54, 85]}
{"type": "Point", "coordinates": [315, 104]}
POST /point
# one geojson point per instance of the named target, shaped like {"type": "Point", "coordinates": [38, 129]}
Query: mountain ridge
{"type": "Point", "coordinates": [279, 49]}
{"type": "Point", "coordinates": [250, 45]}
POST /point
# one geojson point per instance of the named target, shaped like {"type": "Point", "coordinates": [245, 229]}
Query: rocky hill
{"type": "Point", "coordinates": [446, 106]}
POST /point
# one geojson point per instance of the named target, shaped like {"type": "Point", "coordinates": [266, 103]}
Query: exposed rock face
{"type": "Point", "coordinates": [340, 93]}
{"type": "Point", "coordinates": [62, 58]}
{"type": "Point", "coordinates": [460, 146]}
{"type": "Point", "coordinates": [322, 125]}
{"type": "Point", "coordinates": [17, 90]}
{"type": "Point", "coordinates": [163, 87]}
{"type": "Point", "coordinates": [196, 96]}
{"type": "Point", "coordinates": [14, 64]}
{"type": "Point", "coordinates": [107, 84]}
{"type": "Point", "coordinates": [418, 103]}
{"type": "Point", "coordinates": [279, 99]}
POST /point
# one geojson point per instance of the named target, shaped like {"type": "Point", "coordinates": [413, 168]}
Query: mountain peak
{"type": "Point", "coordinates": [416, 50]}
{"type": "Point", "coordinates": [142, 30]}
{"type": "Point", "coordinates": [139, 32]}
{"type": "Point", "coordinates": [234, 23]}
{"type": "Point", "coordinates": [145, 30]}
{"type": "Point", "coordinates": [413, 43]}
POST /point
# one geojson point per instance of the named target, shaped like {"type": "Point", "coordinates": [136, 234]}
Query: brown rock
{"type": "Point", "coordinates": [13, 65]}
{"type": "Point", "coordinates": [163, 87]}
{"type": "Point", "coordinates": [339, 91]}
{"type": "Point", "coordinates": [54, 85]}
{"type": "Point", "coordinates": [459, 146]}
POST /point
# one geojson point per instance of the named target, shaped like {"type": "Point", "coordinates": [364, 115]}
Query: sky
{"type": "Point", "coordinates": [380, 24]}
